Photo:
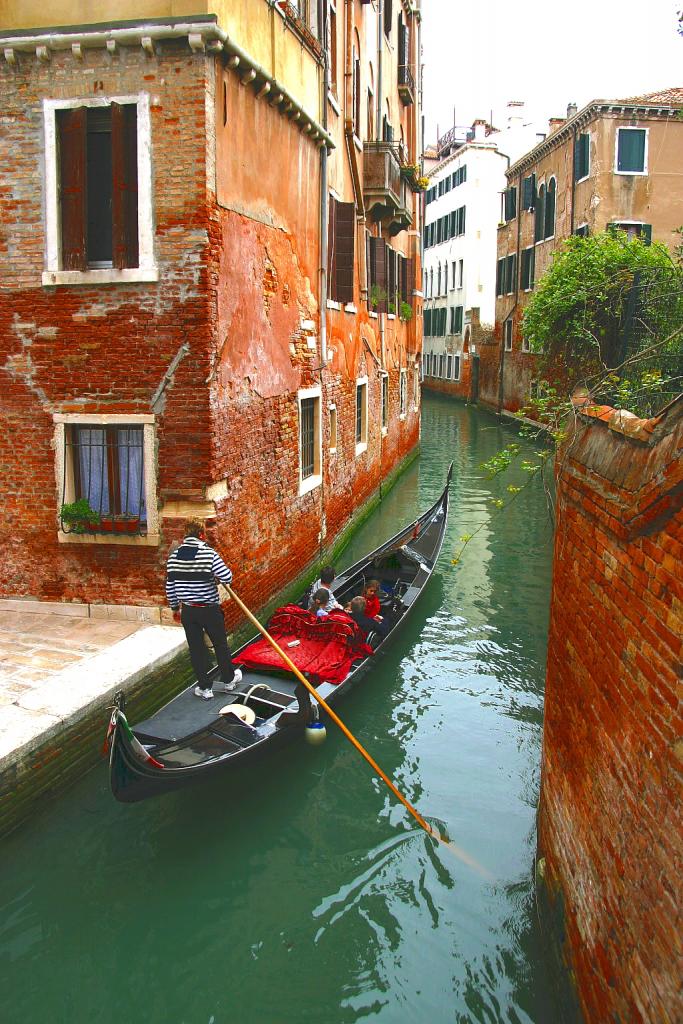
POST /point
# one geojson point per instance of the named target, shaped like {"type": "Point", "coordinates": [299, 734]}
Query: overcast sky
{"type": "Point", "coordinates": [478, 54]}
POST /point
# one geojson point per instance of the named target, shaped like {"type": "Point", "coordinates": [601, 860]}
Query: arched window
{"type": "Point", "coordinates": [431, 281]}
{"type": "Point", "coordinates": [539, 226]}
{"type": "Point", "coordinates": [438, 281]}
{"type": "Point", "coordinates": [550, 210]}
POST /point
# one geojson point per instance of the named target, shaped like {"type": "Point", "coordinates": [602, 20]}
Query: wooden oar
{"type": "Point", "coordinates": [349, 735]}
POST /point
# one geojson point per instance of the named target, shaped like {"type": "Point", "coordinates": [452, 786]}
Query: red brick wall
{"type": "Point", "coordinates": [609, 823]}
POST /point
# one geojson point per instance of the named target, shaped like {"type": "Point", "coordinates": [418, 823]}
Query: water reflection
{"type": "Point", "coordinates": [301, 891]}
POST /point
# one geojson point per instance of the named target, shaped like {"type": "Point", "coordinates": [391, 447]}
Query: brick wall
{"type": "Point", "coordinates": [609, 822]}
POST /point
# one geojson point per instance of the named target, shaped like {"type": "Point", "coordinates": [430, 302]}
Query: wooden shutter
{"type": "Point", "coordinates": [344, 251]}
{"type": "Point", "coordinates": [646, 234]}
{"type": "Point", "coordinates": [391, 279]}
{"type": "Point", "coordinates": [72, 127]}
{"type": "Point", "coordinates": [378, 271]}
{"type": "Point", "coordinates": [331, 236]}
{"type": "Point", "coordinates": [124, 154]}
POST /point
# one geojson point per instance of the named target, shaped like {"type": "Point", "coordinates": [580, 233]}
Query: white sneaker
{"type": "Point", "coordinates": [204, 694]}
{"type": "Point", "coordinates": [232, 685]}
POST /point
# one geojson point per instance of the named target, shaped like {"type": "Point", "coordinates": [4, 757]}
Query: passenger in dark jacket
{"type": "Point", "coordinates": [357, 612]}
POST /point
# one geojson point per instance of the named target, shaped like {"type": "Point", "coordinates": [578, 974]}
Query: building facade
{"type": "Point", "coordinates": [462, 212]}
{"type": "Point", "coordinates": [613, 163]}
{"type": "Point", "coordinates": [195, 208]}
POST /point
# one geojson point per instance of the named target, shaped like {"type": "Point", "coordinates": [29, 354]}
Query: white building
{"type": "Point", "coordinates": [462, 213]}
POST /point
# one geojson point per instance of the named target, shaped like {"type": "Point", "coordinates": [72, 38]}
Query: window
{"type": "Point", "coordinates": [507, 335]}
{"type": "Point", "coordinates": [108, 460]}
{"type": "Point", "coordinates": [416, 388]}
{"type": "Point", "coordinates": [385, 402]}
{"type": "Point", "coordinates": [333, 428]}
{"type": "Point", "coordinates": [454, 275]}
{"type": "Point", "coordinates": [456, 367]}
{"type": "Point", "coordinates": [402, 393]}
{"type": "Point", "coordinates": [456, 319]}
{"type": "Point", "coordinates": [459, 221]}
{"type": "Point", "coordinates": [500, 276]}
{"type": "Point", "coordinates": [310, 439]}
{"type": "Point", "coordinates": [631, 155]}
{"type": "Point", "coordinates": [388, 15]}
{"type": "Point", "coordinates": [582, 156]}
{"type": "Point", "coordinates": [529, 192]}
{"type": "Point", "coordinates": [355, 87]}
{"type": "Point", "coordinates": [510, 274]}
{"type": "Point", "coordinates": [539, 225]}
{"type": "Point", "coordinates": [633, 229]}
{"type": "Point", "coordinates": [449, 366]}
{"type": "Point", "coordinates": [459, 176]}
{"type": "Point", "coordinates": [340, 255]}
{"type": "Point", "coordinates": [332, 26]}
{"type": "Point", "coordinates": [550, 209]}
{"type": "Point", "coordinates": [510, 203]}
{"type": "Point", "coordinates": [526, 347]}
{"type": "Point", "coordinates": [528, 264]}
{"type": "Point", "coordinates": [582, 231]}
{"type": "Point", "coordinates": [361, 415]}
{"type": "Point", "coordinates": [461, 272]}
{"type": "Point", "coordinates": [438, 279]}
{"type": "Point", "coordinates": [442, 365]}
{"type": "Point", "coordinates": [98, 191]}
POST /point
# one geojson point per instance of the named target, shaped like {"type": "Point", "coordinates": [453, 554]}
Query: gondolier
{"type": "Point", "coordinates": [191, 588]}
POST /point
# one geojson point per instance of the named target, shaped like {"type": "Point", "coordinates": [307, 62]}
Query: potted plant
{"type": "Point", "coordinates": [377, 296]}
{"type": "Point", "coordinates": [120, 524]}
{"type": "Point", "coordinates": [78, 516]}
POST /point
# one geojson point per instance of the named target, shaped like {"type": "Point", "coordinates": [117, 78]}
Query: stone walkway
{"type": "Point", "coordinates": [59, 661]}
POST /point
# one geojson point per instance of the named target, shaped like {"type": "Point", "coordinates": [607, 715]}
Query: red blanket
{"type": "Point", "coordinates": [326, 649]}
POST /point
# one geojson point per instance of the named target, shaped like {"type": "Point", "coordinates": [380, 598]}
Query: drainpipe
{"type": "Point", "coordinates": [324, 205]}
{"type": "Point", "coordinates": [380, 33]}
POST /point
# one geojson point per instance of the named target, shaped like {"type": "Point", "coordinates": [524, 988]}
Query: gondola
{"type": "Point", "coordinates": [190, 740]}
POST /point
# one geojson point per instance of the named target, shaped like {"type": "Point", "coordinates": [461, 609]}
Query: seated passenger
{"type": "Point", "coordinates": [319, 603]}
{"type": "Point", "coordinates": [371, 595]}
{"type": "Point", "coordinates": [325, 583]}
{"type": "Point", "coordinates": [356, 610]}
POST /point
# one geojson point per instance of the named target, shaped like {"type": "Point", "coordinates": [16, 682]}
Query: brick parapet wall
{"type": "Point", "coordinates": [612, 780]}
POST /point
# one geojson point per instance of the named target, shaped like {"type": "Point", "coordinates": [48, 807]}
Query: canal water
{"type": "Point", "coordinates": [301, 891]}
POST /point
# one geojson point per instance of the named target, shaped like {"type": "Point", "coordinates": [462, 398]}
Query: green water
{"type": "Point", "coordinates": [301, 892]}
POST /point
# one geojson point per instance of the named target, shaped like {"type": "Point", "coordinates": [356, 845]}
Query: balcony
{"type": "Point", "coordinates": [385, 191]}
{"type": "Point", "coordinates": [406, 85]}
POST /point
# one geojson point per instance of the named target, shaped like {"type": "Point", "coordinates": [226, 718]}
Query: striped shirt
{"type": "Point", "coordinates": [191, 574]}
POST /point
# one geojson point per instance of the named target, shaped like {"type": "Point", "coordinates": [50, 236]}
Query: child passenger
{"type": "Point", "coordinates": [371, 595]}
{"type": "Point", "coordinates": [319, 603]}
{"type": "Point", "coordinates": [325, 583]}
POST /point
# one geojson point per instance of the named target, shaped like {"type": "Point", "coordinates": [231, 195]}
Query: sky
{"type": "Point", "coordinates": [478, 54]}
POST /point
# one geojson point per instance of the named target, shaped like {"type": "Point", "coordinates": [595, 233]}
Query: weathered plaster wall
{"type": "Point", "coordinates": [612, 775]}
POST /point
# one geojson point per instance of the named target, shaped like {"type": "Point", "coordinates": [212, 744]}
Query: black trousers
{"type": "Point", "coordinates": [196, 622]}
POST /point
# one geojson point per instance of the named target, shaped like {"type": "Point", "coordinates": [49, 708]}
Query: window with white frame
{"type": "Point", "coordinates": [333, 428]}
{"type": "Point", "coordinates": [456, 367]}
{"type": "Point", "coordinates": [507, 334]}
{"type": "Point", "coordinates": [461, 272]}
{"type": "Point", "coordinates": [310, 439]}
{"type": "Point", "coordinates": [106, 462]}
{"type": "Point", "coordinates": [416, 387]}
{"type": "Point", "coordinates": [402, 393]}
{"type": "Point", "coordinates": [526, 346]}
{"type": "Point", "coordinates": [631, 151]}
{"type": "Point", "coordinates": [454, 274]}
{"type": "Point", "coordinates": [385, 402]}
{"type": "Point", "coordinates": [449, 366]}
{"type": "Point", "coordinates": [361, 415]}
{"type": "Point", "coordinates": [98, 190]}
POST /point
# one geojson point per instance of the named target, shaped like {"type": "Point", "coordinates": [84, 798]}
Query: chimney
{"type": "Point", "coordinates": [515, 110]}
{"type": "Point", "coordinates": [571, 110]}
{"type": "Point", "coordinates": [479, 129]}
{"type": "Point", "coordinates": [554, 123]}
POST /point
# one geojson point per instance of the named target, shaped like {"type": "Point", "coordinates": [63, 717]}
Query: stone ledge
{"type": "Point", "coordinates": [72, 694]}
{"type": "Point", "coordinates": [117, 612]}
